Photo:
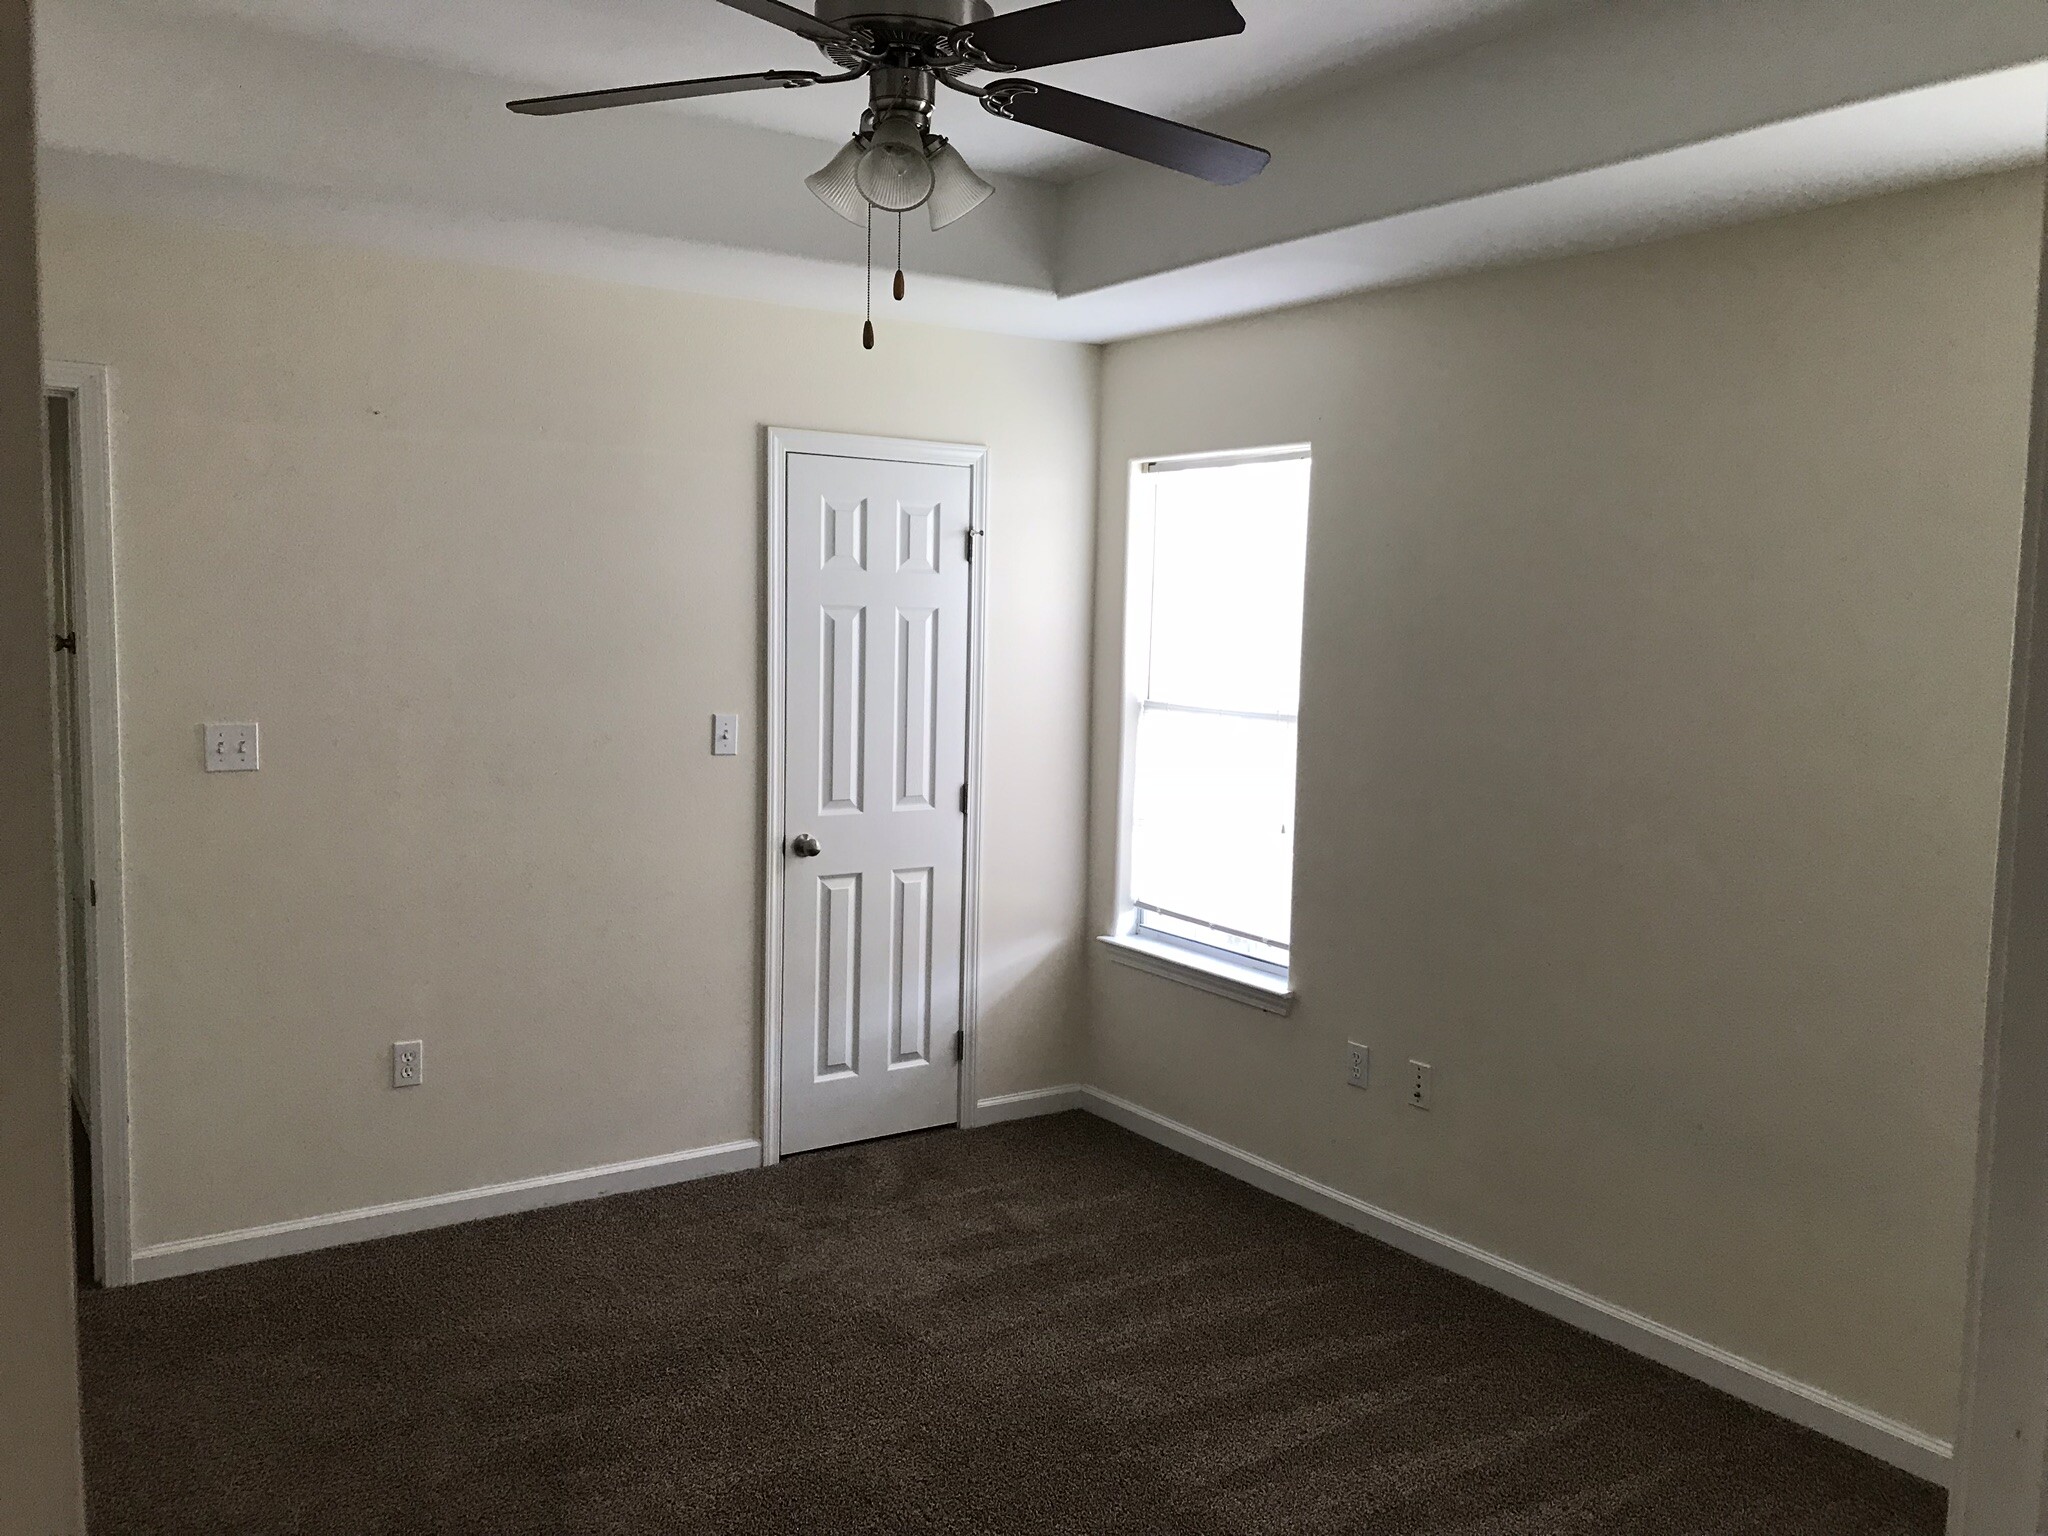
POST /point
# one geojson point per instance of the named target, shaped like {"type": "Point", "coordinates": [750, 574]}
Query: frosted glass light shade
{"type": "Point", "coordinates": [894, 174]}
{"type": "Point", "coordinates": [956, 190]}
{"type": "Point", "coordinates": [836, 188]}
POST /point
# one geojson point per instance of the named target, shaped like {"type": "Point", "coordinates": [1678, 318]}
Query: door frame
{"type": "Point", "coordinates": [783, 442]}
{"type": "Point", "coordinates": [89, 388]}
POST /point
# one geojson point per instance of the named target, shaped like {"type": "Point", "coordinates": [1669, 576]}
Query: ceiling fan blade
{"type": "Point", "coordinates": [1138, 134]}
{"type": "Point", "coordinates": [803, 23]}
{"type": "Point", "coordinates": [1067, 30]}
{"type": "Point", "coordinates": [673, 90]}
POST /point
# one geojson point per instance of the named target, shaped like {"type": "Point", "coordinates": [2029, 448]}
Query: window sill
{"type": "Point", "coordinates": [1241, 985]}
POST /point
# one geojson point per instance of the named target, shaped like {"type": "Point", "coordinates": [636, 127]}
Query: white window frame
{"type": "Point", "coordinates": [1268, 988]}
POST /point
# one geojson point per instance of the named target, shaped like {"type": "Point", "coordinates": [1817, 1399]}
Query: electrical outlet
{"type": "Point", "coordinates": [408, 1063]}
{"type": "Point", "coordinates": [1421, 1087]}
{"type": "Point", "coordinates": [1358, 1064]}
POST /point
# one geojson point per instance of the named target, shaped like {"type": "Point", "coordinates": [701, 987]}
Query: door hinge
{"type": "Point", "coordinates": [68, 642]}
{"type": "Point", "coordinates": [963, 799]}
{"type": "Point", "coordinates": [92, 893]}
{"type": "Point", "coordinates": [960, 1045]}
{"type": "Point", "coordinates": [972, 535]}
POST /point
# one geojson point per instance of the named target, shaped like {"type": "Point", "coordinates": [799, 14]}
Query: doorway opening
{"type": "Point", "coordinates": [85, 691]}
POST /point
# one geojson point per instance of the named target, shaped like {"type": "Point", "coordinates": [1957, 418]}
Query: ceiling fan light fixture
{"type": "Point", "coordinates": [906, 50]}
{"type": "Point", "coordinates": [956, 189]}
{"type": "Point", "coordinates": [894, 173]}
{"type": "Point", "coordinates": [835, 186]}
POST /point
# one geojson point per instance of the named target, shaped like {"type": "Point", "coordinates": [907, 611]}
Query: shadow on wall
{"type": "Point", "coordinates": [1022, 986]}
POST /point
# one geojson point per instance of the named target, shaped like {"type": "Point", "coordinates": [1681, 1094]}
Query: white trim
{"type": "Point", "coordinates": [1241, 984]}
{"type": "Point", "coordinates": [1227, 460]}
{"type": "Point", "coordinates": [1899, 1444]}
{"type": "Point", "coordinates": [775, 694]}
{"type": "Point", "coordinates": [97, 616]}
{"type": "Point", "coordinates": [1136, 602]}
{"type": "Point", "coordinates": [782, 442]}
{"type": "Point", "coordinates": [970, 887]}
{"type": "Point", "coordinates": [1031, 1105]}
{"type": "Point", "coordinates": [1140, 514]}
{"type": "Point", "coordinates": [191, 1255]}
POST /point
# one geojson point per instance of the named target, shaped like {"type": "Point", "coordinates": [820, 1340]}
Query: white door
{"type": "Point", "coordinates": [874, 796]}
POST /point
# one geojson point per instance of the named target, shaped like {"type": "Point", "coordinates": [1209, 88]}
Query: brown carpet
{"type": "Point", "coordinates": [1044, 1327]}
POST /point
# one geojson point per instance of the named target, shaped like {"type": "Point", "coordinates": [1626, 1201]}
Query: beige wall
{"type": "Point", "coordinates": [1660, 608]}
{"type": "Point", "coordinates": [482, 551]}
{"type": "Point", "coordinates": [39, 1468]}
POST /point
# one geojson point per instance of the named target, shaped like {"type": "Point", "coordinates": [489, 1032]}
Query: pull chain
{"type": "Point", "coordinates": [899, 258]}
{"type": "Point", "coordinates": [867, 335]}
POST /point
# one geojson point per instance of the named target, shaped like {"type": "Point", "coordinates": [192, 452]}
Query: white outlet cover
{"type": "Point", "coordinates": [1358, 1064]}
{"type": "Point", "coordinates": [408, 1063]}
{"type": "Point", "coordinates": [725, 735]}
{"type": "Point", "coordinates": [233, 747]}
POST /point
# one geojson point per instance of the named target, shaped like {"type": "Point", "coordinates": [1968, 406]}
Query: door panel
{"type": "Point", "coordinates": [843, 732]}
{"type": "Point", "coordinates": [917, 703]}
{"type": "Point", "coordinates": [838, 1001]}
{"type": "Point", "coordinates": [876, 763]}
{"type": "Point", "coordinates": [910, 951]}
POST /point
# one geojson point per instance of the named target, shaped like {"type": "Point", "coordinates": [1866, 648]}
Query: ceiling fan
{"type": "Point", "coordinates": [908, 49]}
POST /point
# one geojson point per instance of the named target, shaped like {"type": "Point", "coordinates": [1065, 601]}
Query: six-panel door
{"type": "Point", "coordinates": [875, 771]}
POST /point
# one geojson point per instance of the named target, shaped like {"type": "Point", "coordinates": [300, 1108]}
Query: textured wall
{"type": "Point", "coordinates": [1659, 621]}
{"type": "Point", "coordinates": [482, 551]}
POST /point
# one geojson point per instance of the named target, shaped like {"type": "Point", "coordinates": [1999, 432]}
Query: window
{"type": "Point", "coordinates": [1218, 553]}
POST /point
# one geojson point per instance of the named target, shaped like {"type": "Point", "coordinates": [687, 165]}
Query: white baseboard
{"type": "Point", "coordinates": [1026, 1106]}
{"type": "Point", "coordinates": [188, 1256]}
{"type": "Point", "coordinates": [1899, 1444]}
{"type": "Point", "coordinates": [191, 1255]}
{"type": "Point", "coordinates": [1887, 1439]}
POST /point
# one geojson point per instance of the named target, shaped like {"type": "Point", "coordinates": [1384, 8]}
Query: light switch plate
{"type": "Point", "coordinates": [725, 735]}
{"type": "Point", "coordinates": [233, 747]}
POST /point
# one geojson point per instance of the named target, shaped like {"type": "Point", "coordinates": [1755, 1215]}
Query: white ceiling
{"type": "Point", "coordinates": [382, 122]}
{"type": "Point", "coordinates": [1981, 124]}
{"type": "Point", "coordinates": [1291, 47]}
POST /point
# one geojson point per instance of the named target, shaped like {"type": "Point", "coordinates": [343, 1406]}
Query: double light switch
{"type": "Point", "coordinates": [233, 748]}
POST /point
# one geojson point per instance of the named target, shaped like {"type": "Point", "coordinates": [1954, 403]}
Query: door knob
{"type": "Point", "coordinates": [806, 847]}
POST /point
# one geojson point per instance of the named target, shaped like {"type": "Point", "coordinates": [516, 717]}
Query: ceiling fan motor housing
{"type": "Point", "coordinates": [923, 16]}
{"type": "Point", "coordinates": [911, 26]}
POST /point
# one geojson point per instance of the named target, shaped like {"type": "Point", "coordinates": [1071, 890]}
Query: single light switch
{"type": "Point", "coordinates": [233, 748]}
{"type": "Point", "coordinates": [725, 735]}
